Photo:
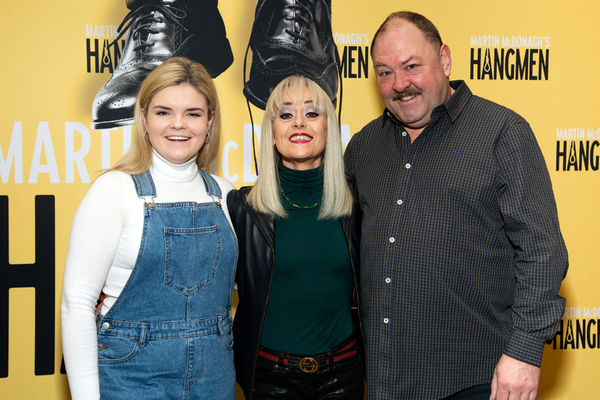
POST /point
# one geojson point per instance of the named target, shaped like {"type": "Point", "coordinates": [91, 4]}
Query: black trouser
{"type": "Point", "coordinates": [338, 376]}
{"type": "Point", "coordinates": [480, 392]}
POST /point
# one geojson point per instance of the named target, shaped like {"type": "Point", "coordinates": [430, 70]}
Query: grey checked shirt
{"type": "Point", "coordinates": [461, 253]}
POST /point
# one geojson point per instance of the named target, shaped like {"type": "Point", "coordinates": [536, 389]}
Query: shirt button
{"type": "Point", "coordinates": [407, 166]}
{"type": "Point", "coordinates": [399, 202]}
{"type": "Point", "coordinates": [388, 280]}
{"type": "Point", "coordinates": [385, 320]}
{"type": "Point", "coordinates": [404, 133]}
{"type": "Point", "coordinates": [105, 325]}
{"type": "Point", "coordinates": [392, 240]}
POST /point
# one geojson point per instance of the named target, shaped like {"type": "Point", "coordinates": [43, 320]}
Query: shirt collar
{"type": "Point", "coordinates": [456, 103]}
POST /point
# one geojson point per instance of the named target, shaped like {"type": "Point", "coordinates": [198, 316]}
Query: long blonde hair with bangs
{"type": "Point", "coordinates": [265, 195]}
{"type": "Point", "coordinates": [174, 71]}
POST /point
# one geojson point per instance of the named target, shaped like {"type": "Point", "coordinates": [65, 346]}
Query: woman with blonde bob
{"type": "Point", "coordinates": [296, 330]}
{"type": "Point", "coordinates": [153, 234]}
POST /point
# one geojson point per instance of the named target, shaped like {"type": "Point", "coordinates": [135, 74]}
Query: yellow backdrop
{"type": "Point", "coordinates": [538, 58]}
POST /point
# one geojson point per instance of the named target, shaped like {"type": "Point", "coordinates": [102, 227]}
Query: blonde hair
{"type": "Point", "coordinates": [174, 71]}
{"type": "Point", "coordinates": [265, 195]}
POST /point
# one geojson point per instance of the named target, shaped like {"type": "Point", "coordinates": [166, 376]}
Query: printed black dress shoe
{"type": "Point", "coordinates": [159, 30]}
{"type": "Point", "coordinates": [291, 37]}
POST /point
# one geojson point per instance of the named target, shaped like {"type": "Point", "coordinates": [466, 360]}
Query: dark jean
{"type": "Point", "coordinates": [480, 392]}
{"type": "Point", "coordinates": [342, 379]}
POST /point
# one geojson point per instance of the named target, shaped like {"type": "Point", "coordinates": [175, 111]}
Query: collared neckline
{"type": "Point", "coordinates": [457, 102]}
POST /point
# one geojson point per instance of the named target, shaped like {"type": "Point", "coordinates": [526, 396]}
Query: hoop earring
{"type": "Point", "coordinates": [146, 136]}
{"type": "Point", "coordinates": [207, 138]}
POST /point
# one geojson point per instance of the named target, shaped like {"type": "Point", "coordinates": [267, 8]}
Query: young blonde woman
{"type": "Point", "coordinates": [153, 234]}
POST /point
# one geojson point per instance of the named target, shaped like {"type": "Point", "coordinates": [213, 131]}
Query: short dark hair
{"type": "Point", "coordinates": [431, 33]}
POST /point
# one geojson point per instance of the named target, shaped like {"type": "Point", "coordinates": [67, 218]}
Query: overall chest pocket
{"type": "Point", "coordinates": [192, 257]}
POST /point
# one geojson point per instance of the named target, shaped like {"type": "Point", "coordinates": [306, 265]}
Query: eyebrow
{"type": "Point", "coordinates": [289, 103]}
{"type": "Point", "coordinates": [407, 61]}
{"type": "Point", "coordinates": [169, 108]}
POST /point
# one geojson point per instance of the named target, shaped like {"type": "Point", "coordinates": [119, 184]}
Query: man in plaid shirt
{"type": "Point", "coordinates": [461, 254]}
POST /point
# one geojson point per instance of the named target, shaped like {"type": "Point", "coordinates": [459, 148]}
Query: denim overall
{"type": "Point", "coordinates": [168, 335]}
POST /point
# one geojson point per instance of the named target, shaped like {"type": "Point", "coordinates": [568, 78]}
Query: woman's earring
{"type": "Point", "coordinates": [208, 133]}
{"type": "Point", "coordinates": [146, 136]}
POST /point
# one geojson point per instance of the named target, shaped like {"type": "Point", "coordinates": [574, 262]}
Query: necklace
{"type": "Point", "coordinates": [297, 206]}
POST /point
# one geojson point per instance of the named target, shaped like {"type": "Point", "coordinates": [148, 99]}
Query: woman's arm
{"type": "Point", "coordinates": [95, 235]}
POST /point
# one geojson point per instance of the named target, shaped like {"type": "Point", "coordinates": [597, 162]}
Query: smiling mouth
{"type": "Point", "coordinates": [300, 138]}
{"type": "Point", "coordinates": [178, 138]}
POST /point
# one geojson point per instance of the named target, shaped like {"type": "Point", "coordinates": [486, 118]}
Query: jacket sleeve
{"type": "Point", "coordinates": [235, 207]}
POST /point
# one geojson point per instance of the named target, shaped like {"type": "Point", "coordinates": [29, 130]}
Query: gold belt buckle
{"type": "Point", "coordinates": [308, 365]}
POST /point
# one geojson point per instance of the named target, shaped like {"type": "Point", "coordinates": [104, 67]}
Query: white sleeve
{"type": "Point", "coordinates": [93, 241]}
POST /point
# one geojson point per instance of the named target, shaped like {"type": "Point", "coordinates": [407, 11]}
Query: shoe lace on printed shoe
{"type": "Point", "coordinates": [141, 22]}
{"type": "Point", "coordinates": [301, 16]}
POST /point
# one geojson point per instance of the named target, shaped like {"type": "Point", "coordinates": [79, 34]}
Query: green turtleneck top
{"type": "Point", "coordinates": [308, 309]}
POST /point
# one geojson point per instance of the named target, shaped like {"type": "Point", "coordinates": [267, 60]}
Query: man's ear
{"type": "Point", "coordinates": [446, 59]}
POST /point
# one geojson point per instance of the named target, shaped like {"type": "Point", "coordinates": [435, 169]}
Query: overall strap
{"type": "Point", "coordinates": [144, 187]}
{"type": "Point", "coordinates": [212, 187]}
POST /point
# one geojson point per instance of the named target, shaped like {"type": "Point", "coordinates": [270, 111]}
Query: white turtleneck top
{"type": "Point", "coordinates": [103, 247]}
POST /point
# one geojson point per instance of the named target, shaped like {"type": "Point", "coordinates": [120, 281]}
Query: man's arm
{"type": "Point", "coordinates": [349, 162]}
{"type": "Point", "coordinates": [529, 211]}
{"type": "Point", "coordinates": [540, 263]}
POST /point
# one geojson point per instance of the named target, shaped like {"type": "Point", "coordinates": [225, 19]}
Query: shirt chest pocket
{"type": "Point", "coordinates": [192, 257]}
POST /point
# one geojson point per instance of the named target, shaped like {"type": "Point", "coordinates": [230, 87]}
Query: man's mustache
{"type": "Point", "coordinates": [406, 93]}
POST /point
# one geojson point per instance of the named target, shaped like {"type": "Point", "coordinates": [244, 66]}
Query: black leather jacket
{"type": "Point", "coordinates": [256, 234]}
